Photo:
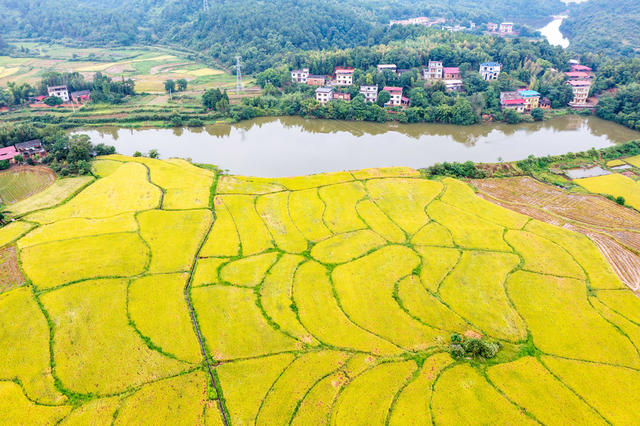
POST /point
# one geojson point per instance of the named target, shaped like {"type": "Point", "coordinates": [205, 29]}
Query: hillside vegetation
{"type": "Point", "coordinates": [611, 27]}
{"type": "Point", "coordinates": [365, 297]}
{"type": "Point", "coordinates": [255, 29]}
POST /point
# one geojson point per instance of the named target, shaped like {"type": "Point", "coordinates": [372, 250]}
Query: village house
{"type": "Point", "coordinates": [490, 70]}
{"type": "Point", "coordinates": [453, 85]}
{"type": "Point", "coordinates": [512, 100]}
{"type": "Point", "coordinates": [531, 99]}
{"type": "Point", "coordinates": [324, 94]}
{"type": "Point", "coordinates": [545, 103]}
{"type": "Point", "coordinates": [341, 96]}
{"type": "Point", "coordinates": [300, 76]}
{"type": "Point", "coordinates": [580, 90]}
{"type": "Point", "coordinates": [316, 80]}
{"type": "Point", "coordinates": [370, 93]}
{"type": "Point", "coordinates": [387, 67]}
{"type": "Point", "coordinates": [578, 75]}
{"type": "Point", "coordinates": [421, 20]}
{"type": "Point", "coordinates": [433, 71]}
{"type": "Point", "coordinates": [8, 154]}
{"type": "Point", "coordinates": [580, 68]}
{"type": "Point", "coordinates": [451, 73]}
{"type": "Point", "coordinates": [30, 148]}
{"type": "Point", "coordinates": [492, 27]}
{"type": "Point", "coordinates": [81, 96]}
{"type": "Point", "coordinates": [344, 76]}
{"type": "Point", "coordinates": [61, 92]}
{"type": "Point", "coordinates": [506, 28]}
{"type": "Point", "coordinates": [396, 96]}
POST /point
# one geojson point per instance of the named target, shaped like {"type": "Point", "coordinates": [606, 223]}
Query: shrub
{"type": "Point", "coordinates": [473, 347]}
{"type": "Point", "coordinates": [457, 351]}
{"type": "Point", "coordinates": [4, 164]}
{"type": "Point", "coordinates": [620, 200]}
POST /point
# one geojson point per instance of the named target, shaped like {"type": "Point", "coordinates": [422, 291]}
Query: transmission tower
{"type": "Point", "coordinates": [205, 5]}
{"type": "Point", "coordinates": [239, 87]}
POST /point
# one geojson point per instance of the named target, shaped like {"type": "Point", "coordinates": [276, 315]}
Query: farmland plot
{"type": "Point", "coordinates": [326, 299]}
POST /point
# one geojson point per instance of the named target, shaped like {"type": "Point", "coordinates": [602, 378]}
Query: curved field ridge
{"type": "Point", "coordinates": [163, 294]}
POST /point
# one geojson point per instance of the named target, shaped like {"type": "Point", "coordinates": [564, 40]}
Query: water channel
{"type": "Point", "coordinates": [290, 146]}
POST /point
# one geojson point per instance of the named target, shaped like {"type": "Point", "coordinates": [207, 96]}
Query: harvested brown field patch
{"type": "Point", "coordinates": [613, 228]}
{"type": "Point", "coordinates": [589, 209]}
{"type": "Point", "coordinates": [10, 275]}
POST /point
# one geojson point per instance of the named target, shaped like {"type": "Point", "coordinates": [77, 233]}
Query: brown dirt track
{"type": "Point", "coordinates": [614, 229]}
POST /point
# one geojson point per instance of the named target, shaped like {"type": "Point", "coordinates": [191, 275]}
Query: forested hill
{"type": "Point", "coordinates": [604, 26]}
{"type": "Point", "coordinates": [255, 29]}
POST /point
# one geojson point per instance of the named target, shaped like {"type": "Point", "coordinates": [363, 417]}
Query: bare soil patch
{"type": "Point", "coordinates": [10, 275]}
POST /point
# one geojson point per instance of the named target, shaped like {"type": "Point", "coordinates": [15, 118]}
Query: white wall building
{"type": "Point", "coordinates": [433, 71]}
{"type": "Point", "coordinates": [344, 76]}
{"type": "Point", "coordinates": [370, 93]}
{"type": "Point", "coordinates": [387, 67]}
{"type": "Point", "coordinates": [61, 92]}
{"type": "Point", "coordinates": [396, 96]}
{"type": "Point", "coordinates": [324, 94]}
{"type": "Point", "coordinates": [490, 70]}
{"type": "Point", "coordinates": [300, 76]}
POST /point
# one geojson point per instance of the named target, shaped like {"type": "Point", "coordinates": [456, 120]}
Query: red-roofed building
{"type": "Point", "coordinates": [451, 73]}
{"type": "Point", "coordinates": [8, 153]}
{"type": "Point", "coordinates": [578, 75]}
{"type": "Point", "coordinates": [396, 95]}
{"type": "Point", "coordinates": [580, 68]}
{"type": "Point", "coordinates": [512, 100]}
{"type": "Point", "coordinates": [344, 76]}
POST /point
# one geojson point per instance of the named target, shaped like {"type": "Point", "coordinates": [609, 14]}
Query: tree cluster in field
{"type": "Point", "coordinates": [171, 86]}
{"type": "Point", "coordinates": [102, 87]}
{"type": "Point", "coordinates": [66, 154]}
{"type": "Point", "coordinates": [471, 347]}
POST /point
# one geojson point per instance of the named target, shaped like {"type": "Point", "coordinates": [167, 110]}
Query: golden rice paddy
{"type": "Point", "coordinates": [163, 294]}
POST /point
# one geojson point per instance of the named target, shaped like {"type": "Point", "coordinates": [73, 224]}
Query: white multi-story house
{"type": "Point", "coordinates": [387, 67]}
{"type": "Point", "coordinates": [490, 70]}
{"type": "Point", "coordinates": [344, 76]}
{"type": "Point", "coordinates": [300, 76]}
{"type": "Point", "coordinates": [324, 94]}
{"type": "Point", "coordinates": [61, 92]}
{"type": "Point", "coordinates": [454, 85]}
{"type": "Point", "coordinates": [580, 92]}
{"type": "Point", "coordinates": [506, 28]}
{"type": "Point", "coordinates": [433, 71]}
{"type": "Point", "coordinates": [396, 96]}
{"type": "Point", "coordinates": [370, 93]}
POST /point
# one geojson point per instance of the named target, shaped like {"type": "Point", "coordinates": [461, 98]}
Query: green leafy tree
{"type": "Point", "coordinates": [383, 97]}
{"type": "Point", "coordinates": [53, 101]}
{"type": "Point", "coordinates": [170, 86]}
{"type": "Point", "coordinates": [182, 84]}
{"type": "Point", "coordinates": [512, 116]}
{"type": "Point", "coordinates": [153, 154]}
{"type": "Point", "coordinates": [537, 114]}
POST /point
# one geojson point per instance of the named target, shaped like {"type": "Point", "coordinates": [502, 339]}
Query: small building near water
{"type": "Point", "coordinates": [30, 148]}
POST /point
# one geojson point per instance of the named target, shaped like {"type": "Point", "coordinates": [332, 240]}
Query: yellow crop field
{"type": "Point", "coordinates": [96, 350]}
{"type": "Point", "coordinates": [274, 211]}
{"type": "Point", "coordinates": [306, 209]}
{"type": "Point", "coordinates": [545, 302]}
{"type": "Point", "coordinates": [462, 396]}
{"type": "Point", "coordinates": [174, 237]}
{"type": "Point", "coordinates": [83, 258]}
{"type": "Point", "coordinates": [160, 293]}
{"type": "Point", "coordinates": [634, 161]}
{"type": "Point", "coordinates": [340, 206]}
{"type": "Point", "coordinates": [159, 311]}
{"type": "Point", "coordinates": [13, 231]}
{"type": "Point", "coordinates": [77, 228]}
{"type": "Point", "coordinates": [614, 184]}
{"type": "Point", "coordinates": [53, 195]}
{"type": "Point", "coordinates": [404, 200]}
{"type": "Point", "coordinates": [249, 271]}
{"type": "Point", "coordinates": [364, 401]}
{"type": "Point", "coordinates": [348, 246]}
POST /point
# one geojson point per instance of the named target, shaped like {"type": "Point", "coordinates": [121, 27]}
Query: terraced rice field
{"type": "Point", "coordinates": [19, 183]}
{"type": "Point", "coordinates": [164, 294]}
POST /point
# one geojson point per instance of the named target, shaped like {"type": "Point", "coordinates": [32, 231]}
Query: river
{"type": "Point", "coordinates": [289, 146]}
{"type": "Point", "coordinates": [553, 34]}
